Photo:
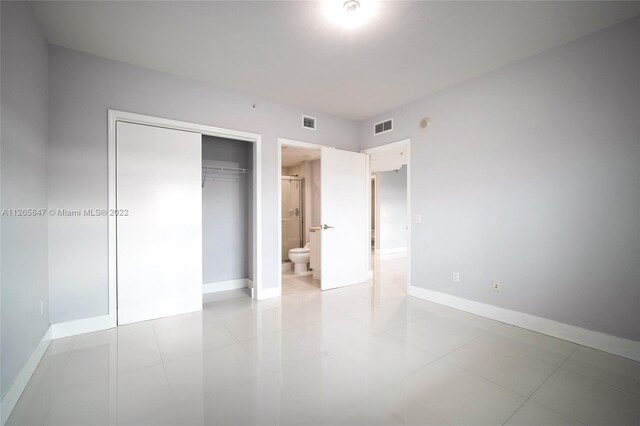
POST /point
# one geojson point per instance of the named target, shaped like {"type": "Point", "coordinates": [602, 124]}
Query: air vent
{"type": "Point", "coordinates": [308, 122]}
{"type": "Point", "coordinates": [383, 126]}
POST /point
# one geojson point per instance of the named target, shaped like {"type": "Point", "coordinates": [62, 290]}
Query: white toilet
{"type": "Point", "coordinates": [300, 258]}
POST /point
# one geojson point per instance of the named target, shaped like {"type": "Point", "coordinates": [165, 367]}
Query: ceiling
{"type": "Point", "coordinates": [292, 52]}
{"type": "Point", "coordinates": [292, 156]}
{"type": "Point", "coordinates": [389, 159]}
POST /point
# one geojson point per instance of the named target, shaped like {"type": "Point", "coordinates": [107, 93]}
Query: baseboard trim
{"type": "Point", "coordinates": [11, 397]}
{"type": "Point", "coordinates": [226, 285]}
{"type": "Point", "coordinates": [81, 326]}
{"type": "Point", "coordinates": [269, 293]}
{"type": "Point", "coordinates": [391, 250]}
{"type": "Point", "coordinates": [593, 339]}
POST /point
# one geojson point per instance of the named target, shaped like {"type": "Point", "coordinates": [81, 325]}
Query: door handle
{"type": "Point", "coordinates": [326, 227]}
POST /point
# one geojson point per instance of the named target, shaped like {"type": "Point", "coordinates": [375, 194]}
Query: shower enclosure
{"type": "Point", "coordinates": [292, 214]}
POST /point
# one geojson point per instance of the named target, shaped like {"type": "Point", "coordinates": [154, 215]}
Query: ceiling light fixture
{"type": "Point", "coordinates": [351, 6]}
{"type": "Point", "coordinates": [349, 13]}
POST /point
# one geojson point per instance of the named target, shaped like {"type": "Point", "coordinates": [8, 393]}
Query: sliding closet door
{"type": "Point", "coordinates": [159, 235]}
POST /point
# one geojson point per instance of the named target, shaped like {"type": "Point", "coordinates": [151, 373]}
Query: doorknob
{"type": "Point", "coordinates": [326, 227]}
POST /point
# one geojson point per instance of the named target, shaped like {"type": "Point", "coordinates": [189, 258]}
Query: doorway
{"type": "Point", "coordinates": [300, 218]}
{"type": "Point", "coordinates": [390, 212]}
{"type": "Point", "coordinates": [335, 238]}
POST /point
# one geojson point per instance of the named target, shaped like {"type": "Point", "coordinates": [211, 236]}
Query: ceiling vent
{"type": "Point", "coordinates": [308, 122]}
{"type": "Point", "coordinates": [383, 127]}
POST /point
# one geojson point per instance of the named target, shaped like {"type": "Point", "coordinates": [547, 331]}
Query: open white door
{"type": "Point", "coordinates": [344, 210]}
{"type": "Point", "coordinates": [159, 242]}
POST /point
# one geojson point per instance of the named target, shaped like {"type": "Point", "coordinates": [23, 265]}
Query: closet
{"type": "Point", "coordinates": [185, 219]}
{"type": "Point", "coordinates": [227, 214]}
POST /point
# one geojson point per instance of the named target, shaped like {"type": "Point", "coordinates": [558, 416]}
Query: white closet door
{"type": "Point", "coordinates": [344, 209]}
{"type": "Point", "coordinates": [159, 243]}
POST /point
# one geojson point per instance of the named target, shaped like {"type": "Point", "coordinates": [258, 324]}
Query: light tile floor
{"type": "Point", "coordinates": [365, 355]}
{"type": "Point", "coordinates": [292, 284]}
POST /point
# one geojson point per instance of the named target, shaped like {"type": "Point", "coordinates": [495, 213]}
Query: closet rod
{"type": "Point", "coordinates": [206, 170]}
{"type": "Point", "coordinates": [219, 169]}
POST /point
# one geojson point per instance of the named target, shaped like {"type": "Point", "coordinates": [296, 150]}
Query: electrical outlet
{"type": "Point", "coordinates": [456, 277]}
{"type": "Point", "coordinates": [496, 285]}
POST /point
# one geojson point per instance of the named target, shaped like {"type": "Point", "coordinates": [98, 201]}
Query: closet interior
{"type": "Point", "coordinates": [227, 214]}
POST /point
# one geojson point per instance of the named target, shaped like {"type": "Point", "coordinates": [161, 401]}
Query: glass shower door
{"type": "Point", "coordinates": [292, 217]}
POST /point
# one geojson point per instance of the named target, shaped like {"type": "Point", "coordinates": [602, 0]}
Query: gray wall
{"type": "Point", "coordinates": [530, 175]}
{"type": "Point", "coordinates": [392, 209]}
{"type": "Point", "coordinates": [227, 205]}
{"type": "Point", "coordinates": [24, 185]}
{"type": "Point", "coordinates": [82, 88]}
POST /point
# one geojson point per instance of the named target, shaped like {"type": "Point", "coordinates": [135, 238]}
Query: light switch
{"type": "Point", "coordinates": [417, 218]}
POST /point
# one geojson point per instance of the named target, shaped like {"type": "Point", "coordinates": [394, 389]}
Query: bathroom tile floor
{"type": "Point", "coordinates": [361, 355]}
{"type": "Point", "coordinates": [292, 284]}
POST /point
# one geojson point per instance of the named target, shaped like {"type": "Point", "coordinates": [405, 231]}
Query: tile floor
{"type": "Point", "coordinates": [365, 355]}
{"type": "Point", "coordinates": [292, 284]}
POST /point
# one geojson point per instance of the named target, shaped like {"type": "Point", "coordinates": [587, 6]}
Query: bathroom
{"type": "Point", "coordinates": [300, 216]}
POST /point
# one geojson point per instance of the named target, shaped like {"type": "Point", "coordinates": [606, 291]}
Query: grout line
{"type": "Point", "coordinates": [462, 346]}
{"type": "Point", "coordinates": [542, 384]}
{"type": "Point", "coordinates": [59, 385]}
{"type": "Point", "coordinates": [483, 378]}
{"type": "Point", "coordinates": [601, 381]}
{"type": "Point", "coordinates": [164, 368]}
{"type": "Point", "coordinates": [517, 350]}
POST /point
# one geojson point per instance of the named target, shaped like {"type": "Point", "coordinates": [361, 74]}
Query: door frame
{"type": "Point", "coordinates": [113, 117]}
{"type": "Point", "coordinates": [382, 148]}
{"type": "Point", "coordinates": [299, 144]}
{"type": "Point", "coordinates": [374, 210]}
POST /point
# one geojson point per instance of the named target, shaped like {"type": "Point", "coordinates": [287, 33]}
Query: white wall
{"type": "Point", "coordinates": [530, 175]}
{"type": "Point", "coordinates": [227, 210]}
{"type": "Point", "coordinates": [82, 88]}
{"type": "Point", "coordinates": [24, 185]}
{"type": "Point", "coordinates": [392, 210]}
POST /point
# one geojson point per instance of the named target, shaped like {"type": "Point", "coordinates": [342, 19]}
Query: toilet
{"type": "Point", "coordinates": [300, 258]}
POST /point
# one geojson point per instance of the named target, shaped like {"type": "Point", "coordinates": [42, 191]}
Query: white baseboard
{"type": "Point", "coordinates": [392, 250]}
{"type": "Point", "coordinates": [593, 339]}
{"type": "Point", "coordinates": [86, 325]}
{"type": "Point", "coordinates": [11, 397]}
{"type": "Point", "coordinates": [287, 266]}
{"type": "Point", "coordinates": [269, 293]}
{"type": "Point", "coordinates": [226, 285]}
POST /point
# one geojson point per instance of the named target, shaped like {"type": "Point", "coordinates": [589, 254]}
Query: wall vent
{"type": "Point", "coordinates": [383, 126]}
{"type": "Point", "coordinates": [308, 122]}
